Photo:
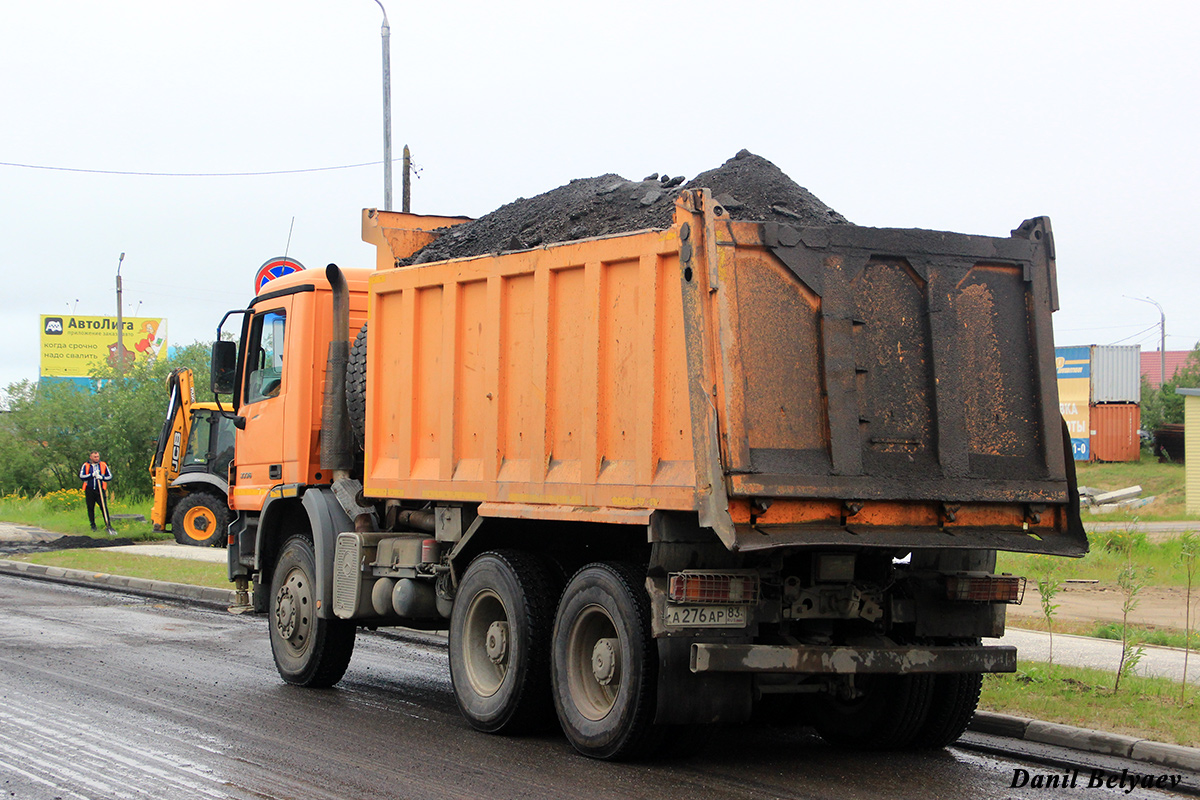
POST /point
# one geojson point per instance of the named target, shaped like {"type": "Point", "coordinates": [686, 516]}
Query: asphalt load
{"type": "Point", "coordinates": [749, 187]}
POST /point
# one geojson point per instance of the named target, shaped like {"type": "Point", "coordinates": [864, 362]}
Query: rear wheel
{"type": "Point", "coordinates": [605, 664]}
{"type": "Point", "coordinates": [309, 651]}
{"type": "Point", "coordinates": [955, 698]}
{"type": "Point", "coordinates": [886, 714]}
{"type": "Point", "coordinates": [200, 519]}
{"type": "Point", "coordinates": [500, 642]}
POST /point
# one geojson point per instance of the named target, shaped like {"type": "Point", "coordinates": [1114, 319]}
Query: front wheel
{"type": "Point", "coordinates": [605, 663]}
{"type": "Point", "coordinates": [200, 519]}
{"type": "Point", "coordinates": [309, 651]}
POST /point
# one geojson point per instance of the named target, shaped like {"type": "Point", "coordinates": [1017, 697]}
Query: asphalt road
{"type": "Point", "coordinates": [104, 696]}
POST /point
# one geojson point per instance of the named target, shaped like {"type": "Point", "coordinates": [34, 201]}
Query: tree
{"type": "Point", "coordinates": [52, 426]}
{"type": "Point", "coordinates": [1164, 406]}
{"type": "Point", "coordinates": [1189, 550]}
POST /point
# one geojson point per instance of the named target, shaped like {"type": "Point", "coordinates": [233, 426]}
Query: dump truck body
{"type": "Point", "coordinates": [823, 385]}
{"type": "Point", "coordinates": [648, 479]}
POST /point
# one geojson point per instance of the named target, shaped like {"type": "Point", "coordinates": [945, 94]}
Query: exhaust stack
{"type": "Point", "coordinates": [335, 420]}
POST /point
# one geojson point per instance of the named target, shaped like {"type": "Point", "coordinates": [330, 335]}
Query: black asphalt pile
{"type": "Point", "coordinates": [61, 543]}
{"type": "Point", "coordinates": [748, 186]}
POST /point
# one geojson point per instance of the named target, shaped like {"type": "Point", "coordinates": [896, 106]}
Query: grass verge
{"type": "Point", "coordinates": [64, 512]}
{"type": "Point", "coordinates": [1149, 708]}
{"type": "Point", "coordinates": [1105, 560]}
{"type": "Point", "coordinates": [173, 570]}
{"type": "Point", "coordinates": [1164, 481]}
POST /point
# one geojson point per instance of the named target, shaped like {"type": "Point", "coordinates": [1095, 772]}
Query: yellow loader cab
{"type": "Point", "coordinates": [190, 468]}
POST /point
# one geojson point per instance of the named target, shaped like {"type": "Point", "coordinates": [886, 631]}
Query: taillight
{"type": "Point", "coordinates": [713, 587]}
{"type": "Point", "coordinates": [985, 588]}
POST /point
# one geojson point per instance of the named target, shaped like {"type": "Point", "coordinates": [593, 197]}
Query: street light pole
{"type": "Point", "coordinates": [120, 322]}
{"type": "Point", "coordinates": [1162, 338]}
{"type": "Point", "coordinates": [386, 33]}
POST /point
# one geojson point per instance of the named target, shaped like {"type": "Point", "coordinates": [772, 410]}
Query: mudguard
{"type": "Point", "coordinates": [327, 520]}
{"type": "Point", "coordinates": [191, 479]}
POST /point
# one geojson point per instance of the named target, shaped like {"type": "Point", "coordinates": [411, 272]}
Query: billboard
{"type": "Point", "coordinates": [1074, 366]}
{"type": "Point", "coordinates": [73, 346]}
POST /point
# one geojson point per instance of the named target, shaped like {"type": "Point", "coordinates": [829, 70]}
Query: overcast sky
{"type": "Point", "coordinates": [957, 116]}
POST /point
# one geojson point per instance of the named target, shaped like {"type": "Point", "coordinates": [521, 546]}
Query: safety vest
{"type": "Point", "coordinates": [86, 476]}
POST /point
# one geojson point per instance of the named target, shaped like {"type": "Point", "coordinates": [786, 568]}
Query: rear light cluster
{"type": "Point", "coordinates": [713, 588]}
{"type": "Point", "coordinates": [986, 588]}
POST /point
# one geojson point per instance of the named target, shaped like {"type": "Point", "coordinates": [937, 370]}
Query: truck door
{"type": "Point", "coordinates": [264, 391]}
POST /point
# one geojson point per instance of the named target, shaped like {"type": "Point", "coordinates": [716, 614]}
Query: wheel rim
{"type": "Point", "coordinates": [199, 523]}
{"type": "Point", "coordinates": [487, 650]}
{"type": "Point", "coordinates": [293, 611]}
{"type": "Point", "coordinates": [594, 658]}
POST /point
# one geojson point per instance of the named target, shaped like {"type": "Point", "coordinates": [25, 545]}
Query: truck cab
{"type": "Point", "coordinates": [276, 378]}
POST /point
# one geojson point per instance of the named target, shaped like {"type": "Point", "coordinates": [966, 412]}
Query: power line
{"type": "Point", "coordinates": [1135, 335]}
{"type": "Point", "coordinates": [1100, 328]}
{"type": "Point", "coordinates": [190, 174]}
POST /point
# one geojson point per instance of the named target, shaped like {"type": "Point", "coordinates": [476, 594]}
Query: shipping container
{"type": "Point", "coordinates": [1115, 432]}
{"type": "Point", "coordinates": [1116, 374]}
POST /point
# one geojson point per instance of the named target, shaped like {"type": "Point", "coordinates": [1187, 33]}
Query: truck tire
{"type": "Point", "coordinates": [500, 642]}
{"type": "Point", "coordinates": [201, 519]}
{"type": "Point", "coordinates": [955, 698]}
{"type": "Point", "coordinates": [605, 664]}
{"type": "Point", "coordinates": [308, 650]}
{"type": "Point", "coordinates": [888, 716]}
{"type": "Point", "coordinates": [356, 387]}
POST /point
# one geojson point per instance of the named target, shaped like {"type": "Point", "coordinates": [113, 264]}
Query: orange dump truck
{"type": "Point", "coordinates": [648, 480]}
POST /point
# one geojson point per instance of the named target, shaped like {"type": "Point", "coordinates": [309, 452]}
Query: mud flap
{"type": "Point", "coordinates": [685, 697]}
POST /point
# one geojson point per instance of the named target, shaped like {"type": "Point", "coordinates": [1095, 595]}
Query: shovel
{"type": "Point", "coordinates": [104, 508]}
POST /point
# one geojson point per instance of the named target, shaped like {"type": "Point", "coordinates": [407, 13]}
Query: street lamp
{"type": "Point", "coordinates": [120, 321]}
{"type": "Point", "coordinates": [1162, 341]}
{"type": "Point", "coordinates": [386, 33]}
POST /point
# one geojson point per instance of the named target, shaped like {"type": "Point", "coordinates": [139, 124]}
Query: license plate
{"type": "Point", "coordinates": [705, 616]}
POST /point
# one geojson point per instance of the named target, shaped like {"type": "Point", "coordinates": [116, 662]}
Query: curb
{"type": "Point", "coordinates": [986, 722]}
{"type": "Point", "coordinates": [1101, 742]}
{"type": "Point", "coordinates": [201, 595]}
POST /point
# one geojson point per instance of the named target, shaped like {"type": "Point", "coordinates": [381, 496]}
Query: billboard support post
{"type": "Point", "coordinates": [120, 322]}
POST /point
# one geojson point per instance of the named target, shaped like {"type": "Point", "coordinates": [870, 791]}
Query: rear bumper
{"type": "Point", "coordinates": [808, 659]}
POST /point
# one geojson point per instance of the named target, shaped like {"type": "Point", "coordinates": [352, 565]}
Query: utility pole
{"type": "Point", "coordinates": [386, 33]}
{"type": "Point", "coordinates": [120, 322]}
{"type": "Point", "coordinates": [1162, 338]}
{"type": "Point", "coordinates": [406, 196]}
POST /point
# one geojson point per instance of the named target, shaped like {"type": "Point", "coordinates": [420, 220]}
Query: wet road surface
{"type": "Point", "coordinates": [104, 695]}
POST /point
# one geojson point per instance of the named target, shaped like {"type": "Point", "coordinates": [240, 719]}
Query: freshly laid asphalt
{"type": "Point", "coordinates": [1033, 645]}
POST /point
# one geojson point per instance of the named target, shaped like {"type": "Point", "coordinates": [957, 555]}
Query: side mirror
{"type": "Point", "coordinates": [224, 367]}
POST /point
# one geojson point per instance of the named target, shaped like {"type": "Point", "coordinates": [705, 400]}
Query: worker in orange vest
{"type": "Point", "coordinates": [95, 475]}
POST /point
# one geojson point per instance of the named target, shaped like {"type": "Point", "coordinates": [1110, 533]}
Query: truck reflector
{"type": "Point", "coordinates": [986, 588]}
{"type": "Point", "coordinates": [713, 587]}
